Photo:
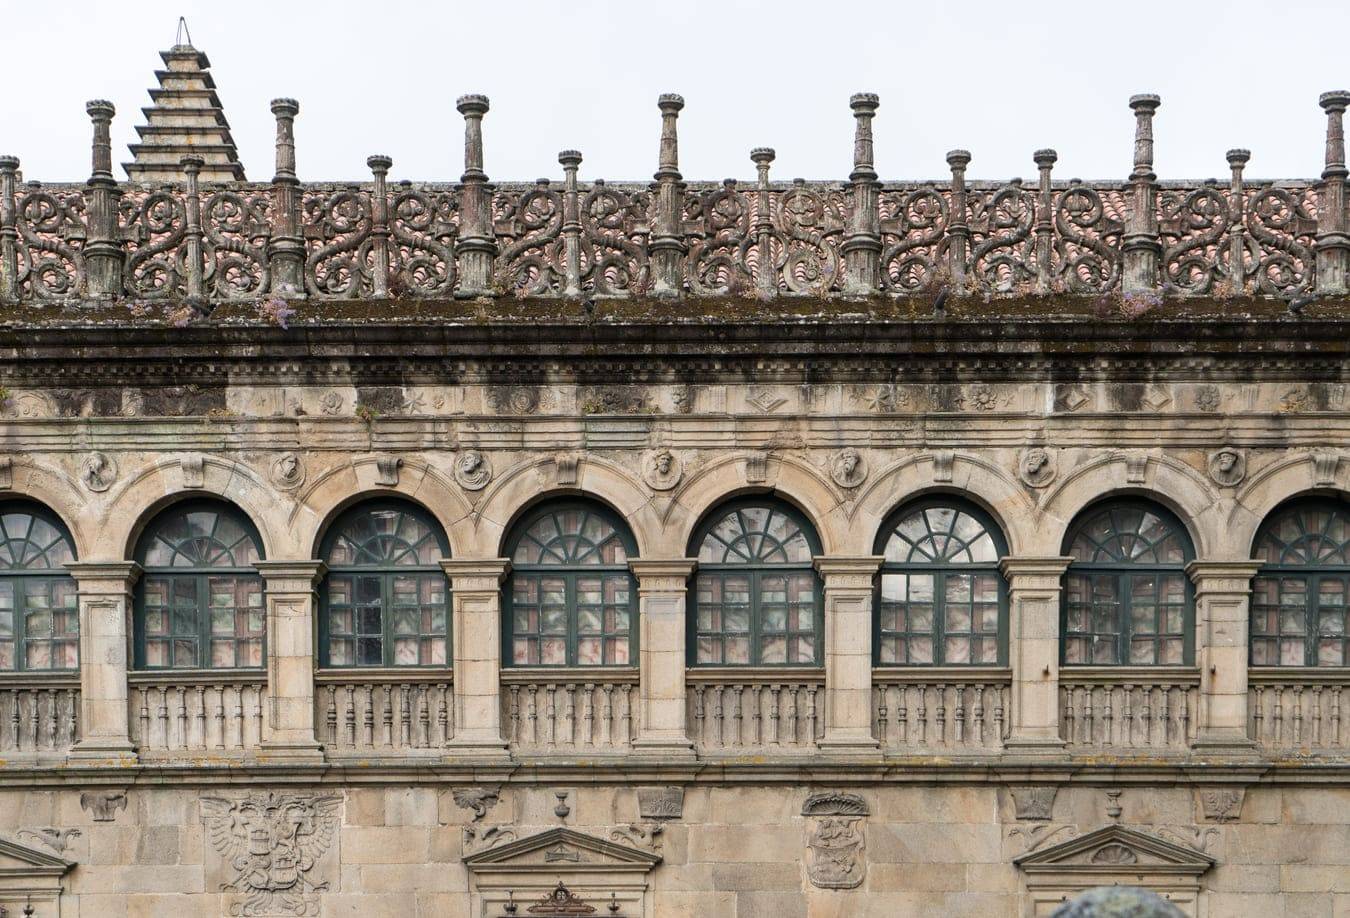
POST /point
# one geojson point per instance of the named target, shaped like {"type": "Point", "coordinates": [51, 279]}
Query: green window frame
{"type": "Point", "coordinates": [1127, 600]}
{"type": "Point", "coordinates": [757, 598]}
{"type": "Point", "coordinates": [940, 598]}
{"type": "Point", "coordinates": [200, 600]}
{"type": "Point", "coordinates": [1301, 593]}
{"type": "Point", "coordinates": [570, 600]}
{"type": "Point", "coordinates": [385, 600]}
{"type": "Point", "coordinates": [39, 601]}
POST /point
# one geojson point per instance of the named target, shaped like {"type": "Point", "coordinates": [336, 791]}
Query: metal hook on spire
{"type": "Point", "coordinates": [182, 32]}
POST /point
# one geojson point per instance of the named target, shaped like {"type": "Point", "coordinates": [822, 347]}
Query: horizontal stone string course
{"type": "Point", "coordinates": [210, 243]}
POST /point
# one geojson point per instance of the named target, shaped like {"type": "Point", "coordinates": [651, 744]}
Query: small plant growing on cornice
{"type": "Point", "coordinates": [275, 310]}
{"type": "Point", "coordinates": [1139, 303]}
{"type": "Point", "coordinates": [5, 395]}
{"type": "Point", "coordinates": [181, 317]}
{"type": "Point", "coordinates": [367, 413]}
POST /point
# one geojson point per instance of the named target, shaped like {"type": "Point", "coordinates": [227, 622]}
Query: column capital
{"type": "Point", "coordinates": [476, 574]}
{"type": "Point", "coordinates": [662, 575]}
{"type": "Point", "coordinates": [1219, 577]}
{"type": "Point", "coordinates": [1034, 573]}
{"type": "Point", "coordinates": [849, 567]}
{"type": "Point", "coordinates": [116, 577]}
{"type": "Point", "coordinates": [291, 576]}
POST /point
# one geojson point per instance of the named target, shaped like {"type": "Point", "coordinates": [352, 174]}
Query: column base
{"type": "Point", "coordinates": [1226, 742]}
{"type": "Point", "coordinates": [96, 751]}
{"type": "Point", "coordinates": [1034, 744]}
{"type": "Point", "coordinates": [298, 753]}
{"type": "Point", "coordinates": [850, 743]}
{"type": "Point", "coordinates": [669, 748]}
{"type": "Point", "coordinates": [477, 747]}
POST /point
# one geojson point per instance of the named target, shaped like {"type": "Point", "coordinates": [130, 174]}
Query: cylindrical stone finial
{"type": "Point", "coordinates": [670, 104]}
{"type": "Point", "coordinates": [472, 104]}
{"type": "Point", "coordinates": [1143, 106]}
{"type": "Point", "coordinates": [9, 164]}
{"type": "Point", "coordinates": [1046, 158]}
{"type": "Point", "coordinates": [473, 107]}
{"type": "Point", "coordinates": [287, 108]}
{"type": "Point", "coordinates": [379, 164]}
{"type": "Point", "coordinates": [958, 159]}
{"type": "Point", "coordinates": [1238, 157]}
{"type": "Point", "coordinates": [192, 164]}
{"type": "Point", "coordinates": [101, 114]}
{"type": "Point", "coordinates": [864, 105]}
{"type": "Point", "coordinates": [1334, 104]}
{"type": "Point", "coordinates": [762, 155]}
{"type": "Point", "coordinates": [569, 159]}
{"type": "Point", "coordinates": [285, 111]}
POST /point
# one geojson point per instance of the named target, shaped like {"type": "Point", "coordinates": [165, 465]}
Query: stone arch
{"type": "Point", "coordinates": [516, 489]}
{"type": "Point", "coordinates": [1283, 480]}
{"type": "Point", "coordinates": [978, 480]}
{"type": "Point", "coordinates": [1166, 480]}
{"type": "Point", "coordinates": [59, 493]}
{"type": "Point", "coordinates": [343, 486]}
{"type": "Point", "coordinates": [786, 477]}
{"type": "Point", "coordinates": [155, 487]}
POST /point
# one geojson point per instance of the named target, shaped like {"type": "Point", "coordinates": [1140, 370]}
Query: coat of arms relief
{"type": "Point", "coordinates": [277, 851]}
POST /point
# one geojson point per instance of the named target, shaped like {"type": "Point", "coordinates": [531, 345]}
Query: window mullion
{"type": "Point", "coordinates": [1124, 613]}
{"type": "Point", "coordinates": [756, 638]}
{"type": "Point", "coordinates": [387, 619]}
{"type": "Point", "coordinates": [203, 622]}
{"type": "Point", "coordinates": [573, 619]}
{"type": "Point", "coordinates": [939, 617]}
{"type": "Point", "coordinates": [1312, 587]}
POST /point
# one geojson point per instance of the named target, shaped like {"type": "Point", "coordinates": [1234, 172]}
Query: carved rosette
{"type": "Point", "coordinates": [836, 855]}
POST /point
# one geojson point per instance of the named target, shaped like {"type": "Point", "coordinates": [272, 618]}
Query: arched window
{"type": "Point", "coordinates": [1127, 599]}
{"type": "Point", "coordinates": [941, 599]}
{"type": "Point", "coordinates": [757, 598]}
{"type": "Point", "coordinates": [571, 598]}
{"type": "Point", "coordinates": [39, 617]}
{"type": "Point", "coordinates": [385, 594]}
{"type": "Point", "coordinates": [1300, 612]}
{"type": "Point", "coordinates": [199, 604]}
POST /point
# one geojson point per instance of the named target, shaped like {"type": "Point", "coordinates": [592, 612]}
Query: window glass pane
{"type": "Point", "coordinates": [760, 534]}
{"type": "Point", "coordinates": [30, 542]}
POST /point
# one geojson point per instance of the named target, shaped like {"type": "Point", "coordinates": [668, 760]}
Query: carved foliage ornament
{"type": "Point", "coordinates": [660, 802]}
{"type": "Point", "coordinates": [472, 470]}
{"type": "Point", "coordinates": [478, 799]}
{"type": "Point", "coordinates": [662, 469]}
{"type": "Point", "coordinates": [835, 840]}
{"type": "Point", "coordinates": [271, 844]}
{"type": "Point", "coordinates": [1034, 803]}
{"type": "Point", "coordinates": [1221, 804]}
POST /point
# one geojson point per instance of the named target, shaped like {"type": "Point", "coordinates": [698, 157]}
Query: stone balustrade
{"type": "Point", "coordinates": [737, 712]}
{"type": "Point", "coordinates": [544, 712]}
{"type": "Point", "coordinates": [1299, 711]}
{"type": "Point", "coordinates": [943, 710]}
{"type": "Point", "coordinates": [197, 715]}
{"type": "Point", "coordinates": [384, 713]}
{"type": "Point", "coordinates": [1128, 709]}
{"type": "Point", "coordinates": [39, 717]}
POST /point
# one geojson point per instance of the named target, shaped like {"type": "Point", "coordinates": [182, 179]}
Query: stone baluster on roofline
{"type": "Point", "coordinates": [1333, 235]}
{"type": "Point", "coordinates": [195, 285]}
{"type": "Point", "coordinates": [571, 225]}
{"type": "Point", "coordinates": [9, 233]}
{"type": "Point", "coordinates": [475, 247]}
{"type": "Point", "coordinates": [862, 247]}
{"type": "Point", "coordinates": [103, 252]}
{"type": "Point", "coordinates": [958, 225]}
{"type": "Point", "coordinates": [767, 284]}
{"type": "Point", "coordinates": [379, 224]}
{"type": "Point", "coordinates": [1237, 206]}
{"type": "Point", "coordinates": [1045, 203]}
{"type": "Point", "coordinates": [1141, 245]}
{"type": "Point", "coordinates": [285, 246]}
{"type": "Point", "coordinates": [667, 247]}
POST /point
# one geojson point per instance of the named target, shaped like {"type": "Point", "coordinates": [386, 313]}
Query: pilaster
{"type": "Point", "coordinates": [105, 639]}
{"type": "Point", "coordinates": [1223, 592]}
{"type": "Point", "coordinates": [663, 590]}
{"type": "Point", "coordinates": [476, 591]}
{"type": "Point", "coordinates": [1034, 586]}
{"type": "Point", "coordinates": [291, 612]}
{"type": "Point", "coordinates": [849, 586]}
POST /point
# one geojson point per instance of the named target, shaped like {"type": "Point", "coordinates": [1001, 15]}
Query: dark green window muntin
{"type": "Point", "coordinates": [199, 602]}
{"type": "Point", "coordinates": [39, 609]}
{"type": "Point", "coordinates": [1301, 594]}
{"type": "Point", "coordinates": [941, 599]}
{"type": "Point", "coordinates": [1127, 599]}
{"type": "Point", "coordinates": [757, 598]}
{"type": "Point", "coordinates": [385, 598]}
{"type": "Point", "coordinates": [570, 599]}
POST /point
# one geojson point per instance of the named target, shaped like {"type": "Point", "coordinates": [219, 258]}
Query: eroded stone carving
{"type": "Point", "coordinates": [194, 471]}
{"type": "Point", "coordinates": [1071, 399]}
{"type": "Point", "coordinates": [565, 469]}
{"type": "Point", "coordinates": [98, 471]}
{"type": "Point", "coordinates": [1324, 468]}
{"type": "Point", "coordinates": [646, 836]}
{"type": "Point", "coordinates": [943, 460]}
{"type": "Point", "coordinates": [1136, 468]}
{"type": "Point", "coordinates": [6, 472]}
{"type": "Point", "coordinates": [660, 802]}
{"type": "Point", "coordinates": [56, 839]}
{"type": "Point", "coordinates": [103, 806]}
{"type": "Point", "coordinates": [478, 799]}
{"type": "Point", "coordinates": [848, 468]}
{"type": "Point", "coordinates": [386, 470]}
{"type": "Point", "coordinates": [1227, 467]}
{"type": "Point", "coordinates": [1208, 398]}
{"type": "Point", "coordinates": [1034, 803]}
{"type": "Point", "coordinates": [272, 846]}
{"type": "Point", "coordinates": [1034, 836]}
{"type": "Point", "coordinates": [514, 399]}
{"type": "Point", "coordinates": [662, 470]}
{"type": "Point", "coordinates": [472, 470]}
{"type": "Point", "coordinates": [835, 840]}
{"type": "Point", "coordinates": [1114, 854]}
{"type": "Point", "coordinates": [476, 839]}
{"type": "Point", "coordinates": [757, 468]}
{"type": "Point", "coordinates": [1221, 804]}
{"type": "Point", "coordinates": [765, 400]}
{"type": "Point", "coordinates": [330, 403]}
{"type": "Point", "coordinates": [1036, 467]}
{"type": "Point", "coordinates": [683, 399]}
{"type": "Point", "coordinates": [288, 471]}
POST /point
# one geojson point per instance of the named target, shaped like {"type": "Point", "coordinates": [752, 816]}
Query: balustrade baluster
{"type": "Point", "coordinates": [1317, 715]}
{"type": "Point", "coordinates": [587, 714]}
{"type": "Point", "coordinates": [368, 714]}
{"type": "Point", "coordinates": [901, 715]}
{"type": "Point", "coordinates": [701, 736]}
{"type": "Point", "coordinates": [1298, 715]}
{"type": "Point", "coordinates": [447, 726]}
{"type": "Point", "coordinates": [921, 712]}
{"type": "Point", "coordinates": [940, 691]}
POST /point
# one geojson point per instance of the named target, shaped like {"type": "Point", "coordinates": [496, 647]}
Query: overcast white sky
{"type": "Point", "coordinates": [998, 78]}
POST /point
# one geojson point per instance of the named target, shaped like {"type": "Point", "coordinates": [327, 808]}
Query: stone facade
{"type": "Point", "coordinates": [275, 375]}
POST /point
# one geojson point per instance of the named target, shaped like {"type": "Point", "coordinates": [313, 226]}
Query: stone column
{"type": "Point", "coordinates": [663, 588]}
{"type": "Point", "coordinates": [849, 583]}
{"type": "Point", "coordinates": [1034, 586]}
{"type": "Point", "coordinates": [1333, 235]}
{"type": "Point", "coordinates": [862, 246]}
{"type": "Point", "coordinates": [103, 251]}
{"type": "Point", "coordinates": [475, 247]}
{"type": "Point", "coordinates": [286, 246]}
{"type": "Point", "coordinates": [476, 635]}
{"type": "Point", "coordinates": [1222, 613]}
{"type": "Point", "coordinates": [666, 244]}
{"type": "Point", "coordinates": [1141, 245]}
{"type": "Point", "coordinates": [291, 612]}
{"type": "Point", "coordinates": [105, 639]}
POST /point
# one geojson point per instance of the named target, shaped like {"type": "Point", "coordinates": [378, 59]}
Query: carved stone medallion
{"type": "Point", "coordinates": [1036, 467]}
{"type": "Point", "coordinates": [662, 469]}
{"type": "Point", "coordinates": [288, 471]}
{"type": "Point", "coordinates": [274, 850]}
{"type": "Point", "coordinates": [472, 470]}
{"type": "Point", "coordinates": [836, 855]}
{"type": "Point", "coordinates": [848, 468]}
{"type": "Point", "coordinates": [98, 471]}
{"type": "Point", "coordinates": [1227, 467]}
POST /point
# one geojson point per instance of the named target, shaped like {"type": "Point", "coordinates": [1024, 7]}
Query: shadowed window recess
{"type": "Point", "coordinates": [1300, 614]}
{"type": "Point", "coordinates": [757, 598]}
{"type": "Point", "coordinates": [1127, 599]}
{"type": "Point", "coordinates": [39, 613]}
{"type": "Point", "coordinates": [940, 598]}
{"type": "Point", "coordinates": [199, 604]}
{"type": "Point", "coordinates": [385, 599]}
{"type": "Point", "coordinates": [570, 599]}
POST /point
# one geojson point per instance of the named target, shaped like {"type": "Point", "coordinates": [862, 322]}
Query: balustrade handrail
{"type": "Point", "coordinates": [713, 675]}
{"type": "Point", "coordinates": [139, 677]}
{"type": "Point", "coordinates": [1285, 675]}
{"type": "Point", "coordinates": [941, 674]}
{"type": "Point", "coordinates": [383, 675]}
{"type": "Point", "coordinates": [540, 675]}
{"type": "Point", "coordinates": [1134, 675]}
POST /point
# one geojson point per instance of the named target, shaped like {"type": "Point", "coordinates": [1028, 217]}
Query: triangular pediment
{"type": "Point", "coordinates": [21, 860]}
{"type": "Point", "coordinates": [562, 849]}
{"type": "Point", "coordinates": [1116, 848]}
